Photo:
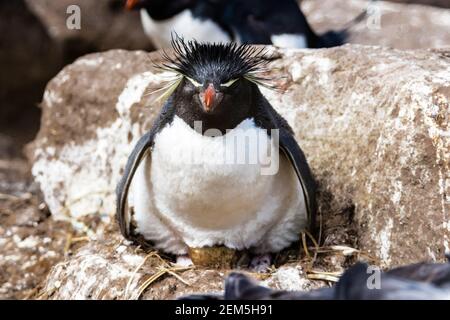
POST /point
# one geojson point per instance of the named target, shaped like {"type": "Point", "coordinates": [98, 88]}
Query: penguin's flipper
{"type": "Point", "coordinates": [291, 149]}
{"type": "Point", "coordinates": [269, 118]}
{"type": "Point", "coordinates": [139, 152]}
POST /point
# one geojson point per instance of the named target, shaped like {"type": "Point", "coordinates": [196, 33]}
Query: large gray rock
{"type": "Point", "coordinates": [373, 123]}
{"type": "Point", "coordinates": [396, 25]}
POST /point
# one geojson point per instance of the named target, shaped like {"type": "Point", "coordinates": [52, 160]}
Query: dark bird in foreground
{"type": "Point", "coordinates": [422, 281]}
{"type": "Point", "coordinates": [219, 167]}
{"type": "Point", "coordinates": [277, 22]}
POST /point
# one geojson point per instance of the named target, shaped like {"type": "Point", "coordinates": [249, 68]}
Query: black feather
{"type": "Point", "coordinates": [224, 61]}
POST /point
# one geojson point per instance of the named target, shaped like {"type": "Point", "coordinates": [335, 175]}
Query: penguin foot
{"type": "Point", "coordinates": [184, 261]}
{"type": "Point", "coordinates": [261, 263]}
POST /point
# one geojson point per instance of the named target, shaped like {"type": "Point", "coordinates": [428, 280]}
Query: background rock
{"type": "Point", "coordinates": [104, 25]}
{"type": "Point", "coordinates": [399, 25]}
{"type": "Point", "coordinates": [437, 3]}
{"type": "Point", "coordinates": [35, 44]}
{"type": "Point", "coordinates": [372, 121]}
{"type": "Point", "coordinates": [28, 59]}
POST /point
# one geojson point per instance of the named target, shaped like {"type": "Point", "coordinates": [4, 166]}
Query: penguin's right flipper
{"type": "Point", "coordinates": [140, 151]}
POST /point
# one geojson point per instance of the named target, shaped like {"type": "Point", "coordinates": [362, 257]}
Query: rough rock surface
{"type": "Point", "coordinates": [373, 123]}
{"type": "Point", "coordinates": [112, 269]}
{"type": "Point", "coordinates": [396, 25]}
{"type": "Point", "coordinates": [31, 242]}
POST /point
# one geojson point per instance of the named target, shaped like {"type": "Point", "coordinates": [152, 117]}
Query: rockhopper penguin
{"type": "Point", "coordinates": [277, 22]}
{"type": "Point", "coordinates": [210, 171]}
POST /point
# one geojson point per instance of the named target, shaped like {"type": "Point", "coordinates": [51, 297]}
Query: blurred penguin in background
{"type": "Point", "coordinates": [277, 22]}
{"type": "Point", "coordinates": [420, 281]}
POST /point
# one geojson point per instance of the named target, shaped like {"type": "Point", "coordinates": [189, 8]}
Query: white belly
{"type": "Point", "coordinates": [290, 41]}
{"type": "Point", "coordinates": [185, 25]}
{"type": "Point", "coordinates": [205, 197]}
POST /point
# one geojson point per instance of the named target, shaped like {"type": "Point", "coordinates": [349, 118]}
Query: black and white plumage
{"type": "Point", "coordinates": [278, 22]}
{"type": "Point", "coordinates": [184, 191]}
{"type": "Point", "coordinates": [421, 281]}
{"type": "Point", "coordinates": [192, 19]}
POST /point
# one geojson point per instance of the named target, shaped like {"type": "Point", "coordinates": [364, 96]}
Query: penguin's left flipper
{"type": "Point", "coordinates": [269, 118]}
{"type": "Point", "coordinates": [290, 148]}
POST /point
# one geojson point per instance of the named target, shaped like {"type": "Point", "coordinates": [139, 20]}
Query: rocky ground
{"type": "Point", "coordinates": [34, 247]}
{"type": "Point", "coordinates": [32, 244]}
{"type": "Point", "coordinates": [30, 241]}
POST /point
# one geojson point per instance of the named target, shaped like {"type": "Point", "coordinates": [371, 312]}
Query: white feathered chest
{"type": "Point", "coordinates": [197, 191]}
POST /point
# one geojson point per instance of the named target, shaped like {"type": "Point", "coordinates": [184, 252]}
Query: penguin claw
{"type": "Point", "coordinates": [184, 261]}
{"type": "Point", "coordinates": [261, 263]}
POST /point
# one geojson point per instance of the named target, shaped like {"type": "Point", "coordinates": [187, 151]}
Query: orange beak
{"type": "Point", "coordinates": [209, 97]}
{"type": "Point", "coordinates": [131, 4]}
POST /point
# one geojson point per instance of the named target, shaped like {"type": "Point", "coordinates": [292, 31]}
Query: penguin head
{"type": "Point", "coordinates": [216, 78]}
